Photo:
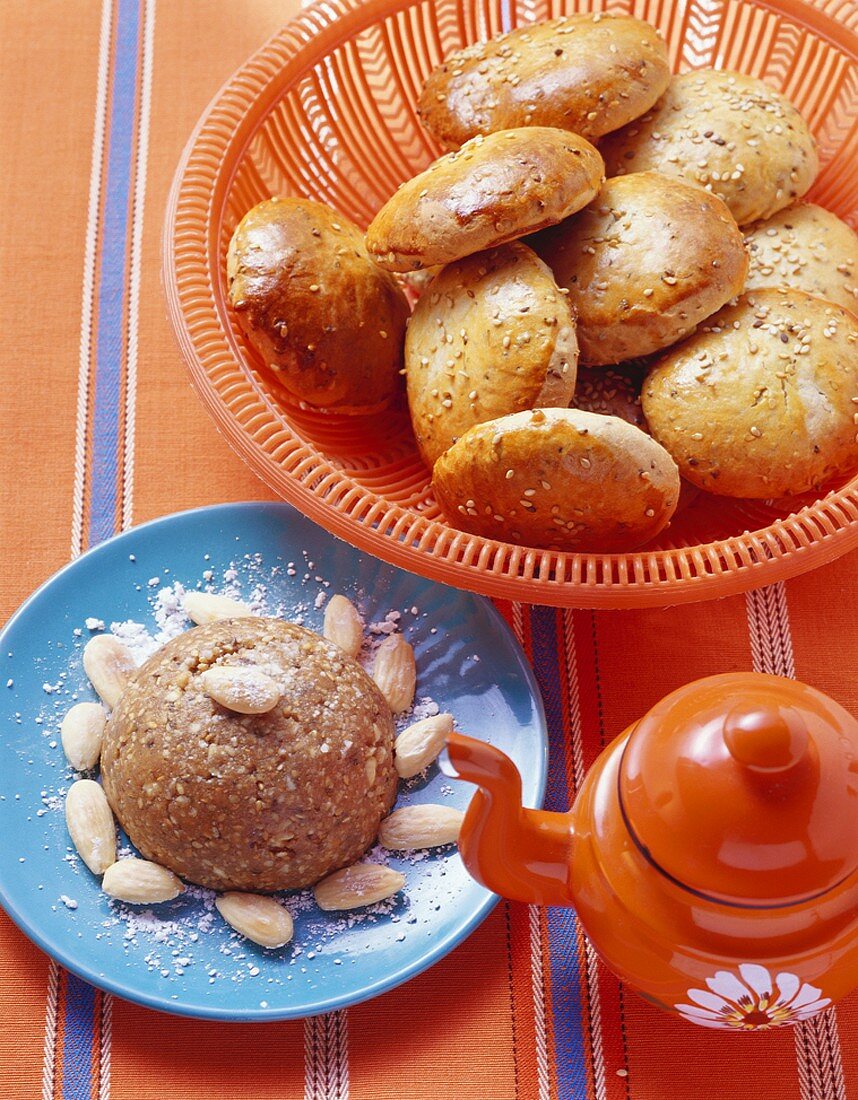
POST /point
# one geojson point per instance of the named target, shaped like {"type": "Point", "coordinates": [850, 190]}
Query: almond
{"type": "Point", "coordinates": [243, 689]}
{"type": "Point", "coordinates": [259, 918]}
{"type": "Point", "coordinates": [361, 884]}
{"type": "Point", "coordinates": [416, 747]}
{"type": "Point", "coordinates": [108, 664]}
{"type": "Point", "coordinates": [90, 824]}
{"type": "Point", "coordinates": [81, 733]}
{"type": "Point", "coordinates": [140, 882]}
{"type": "Point", "coordinates": [420, 827]}
{"type": "Point", "coordinates": [343, 625]}
{"type": "Point", "coordinates": [395, 672]}
{"type": "Point", "coordinates": [208, 607]}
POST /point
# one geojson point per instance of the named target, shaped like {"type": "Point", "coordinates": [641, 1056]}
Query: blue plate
{"type": "Point", "coordinates": [180, 957]}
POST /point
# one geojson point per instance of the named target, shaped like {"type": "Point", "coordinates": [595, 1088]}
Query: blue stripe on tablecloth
{"type": "Point", "coordinates": [81, 1029]}
{"type": "Point", "coordinates": [112, 283]}
{"type": "Point", "coordinates": [562, 929]}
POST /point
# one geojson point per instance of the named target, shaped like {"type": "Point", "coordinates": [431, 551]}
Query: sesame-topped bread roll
{"type": "Point", "coordinates": [586, 73]}
{"type": "Point", "coordinates": [644, 263]}
{"type": "Point", "coordinates": [616, 391]}
{"type": "Point", "coordinates": [729, 133]}
{"type": "Point", "coordinates": [325, 319]}
{"type": "Point", "coordinates": [491, 335]}
{"type": "Point", "coordinates": [560, 479]}
{"type": "Point", "coordinates": [492, 190]}
{"type": "Point", "coordinates": [763, 400]}
{"type": "Point", "coordinates": [806, 248]}
{"type": "Point", "coordinates": [611, 391]}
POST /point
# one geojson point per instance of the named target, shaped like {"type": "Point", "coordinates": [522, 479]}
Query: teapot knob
{"type": "Point", "coordinates": [765, 738]}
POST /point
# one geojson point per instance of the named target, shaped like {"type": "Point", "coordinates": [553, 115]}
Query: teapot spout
{"type": "Point", "coordinates": [518, 853]}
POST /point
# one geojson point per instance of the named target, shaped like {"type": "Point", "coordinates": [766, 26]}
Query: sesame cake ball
{"type": "Point", "coordinates": [728, 133]}
{"type": "Point", "coordinates": [250, 801]}
{"type": "Point", "coordinates": [762, 401]}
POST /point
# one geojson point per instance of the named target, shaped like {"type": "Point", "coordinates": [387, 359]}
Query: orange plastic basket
{"type": "Point", "coordinates": [326, 109]}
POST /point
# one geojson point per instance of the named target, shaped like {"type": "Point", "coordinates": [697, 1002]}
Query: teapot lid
{"type": "Point", "coordinates": [744, 787]}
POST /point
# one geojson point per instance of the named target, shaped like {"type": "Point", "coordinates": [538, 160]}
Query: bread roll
{"type": "Point", "coordinates": [644, 264]}
{"type": "Point", "coordinates": [729, 133]}
{"type": "Point", "coordinates": [586, 73]}
{"type": "Point", "coordinates": [491, 335]}
{"type": "Point", "coordinates": [325, 318]}
{"type": "Point", "coordinates": [559, 479]}
{"type": "Point", "coordinates": [763, 400]}
{"type": "Point", "coordinates": [492, 190]}
{"type": "Point", "coordinates": [806, 248]}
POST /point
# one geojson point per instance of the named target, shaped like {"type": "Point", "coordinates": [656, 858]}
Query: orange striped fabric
{"type": "Point", "coordinates": [100, 430]}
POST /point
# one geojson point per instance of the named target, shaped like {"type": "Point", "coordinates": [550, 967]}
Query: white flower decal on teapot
{"type": "Point", "coordinates": [752, 1000]}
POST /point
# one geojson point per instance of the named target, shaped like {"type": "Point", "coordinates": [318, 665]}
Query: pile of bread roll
{"type": "Point", "coordinates": [547, 252]}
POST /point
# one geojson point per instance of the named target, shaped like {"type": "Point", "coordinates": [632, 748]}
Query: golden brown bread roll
{"type": "Point", "coordinates": [611, 391]}
{"type": "Point", "coordinates": [491, 335]}
{"type": "Point", "coordinates": [763, 400]}
{"type": "Point", "coordinates": [325, 318]}
{"type": "Point", "coordinates": [558, 478]}
{"type": "Point", "coordinates": [646, 262]}
{"type": "Point", "coordinates": [233, 801]}
{"type": "Point", "coordinates": [587, 73]}
{"type": "Point", "coordinates": [729, 133]}
{"type": "Point", "coordinates": [806, 248]}
{"type": "Point", "coordinates": [616, 391]}
{"type": "Point", "coordinates": [493, 190]}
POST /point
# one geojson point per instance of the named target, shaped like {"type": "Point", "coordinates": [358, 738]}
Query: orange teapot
{"type": "Point", "coordinates": [711, 853]}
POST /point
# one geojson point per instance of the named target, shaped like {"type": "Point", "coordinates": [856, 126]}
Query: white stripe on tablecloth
{"type": "Point", "coordinates": [578, 772]}
{"type": "Point", "coordinates": [817, 1041]}
{"type": "Point", "coordinates": [99, 131]}
{"type": "Point", "coordinates": [104, 1052]}
{"type": "Point", "coordinates": [534, 924]}
{"type": "Point", "coordinates": [89, 267]}
{"type": "Point", "coordinates": [326, 1057]}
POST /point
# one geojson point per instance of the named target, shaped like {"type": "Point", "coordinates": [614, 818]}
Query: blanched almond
{"type": "Point", "coordinates": [108, 664]}
{"type": "Point", "coordinates": [361, 884]}
{"type": "Point", "coordinates": [261, 919]}
{"type": "Point", "coordinates": [90, 823]}
{"type": "Point", "coordinates": [420, 827]}
{"type": "Point", "coordinates": [416, 747]}
{"type": "Point", "coordinates": [208, 607]}
{"type": "Point", "coordinates": [141, 882]}
{"type": "Point", "coordinates": [343, 625]}
{"type": "Point", "coordinates": [81, 733]}
{"type": "Point", "coordinates": [246, 690]}
{"type": "Point", "coordinates": [395, 672]}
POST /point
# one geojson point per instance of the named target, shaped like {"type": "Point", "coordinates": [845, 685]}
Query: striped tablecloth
{"type": "Point", "coordinates": [100, 430]}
